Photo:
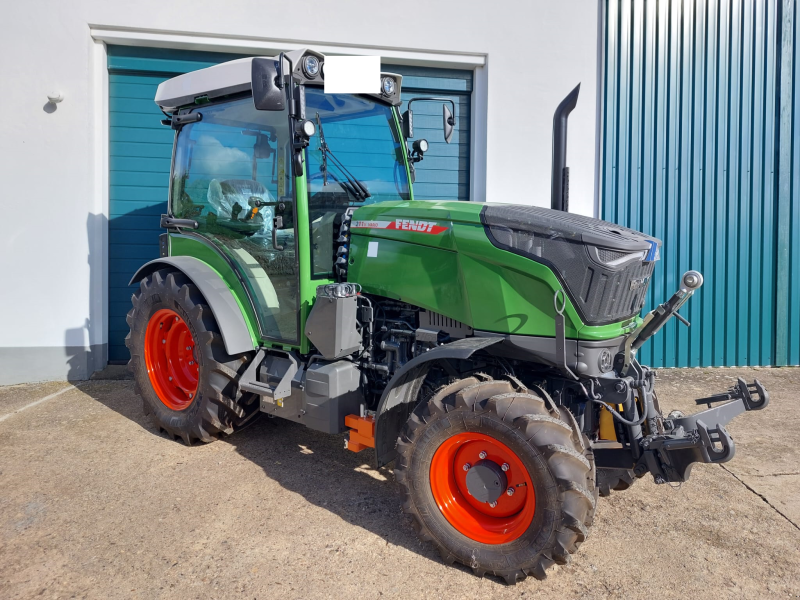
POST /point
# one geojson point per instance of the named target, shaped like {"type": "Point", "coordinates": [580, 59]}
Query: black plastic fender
{"type": "Point", "coordinates": [217, 294]}
{"type": "Point", "coordinates": [405, 385]}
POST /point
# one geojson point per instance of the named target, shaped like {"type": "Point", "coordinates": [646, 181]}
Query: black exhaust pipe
{"type": "Point", "coordinates": [560, 177]}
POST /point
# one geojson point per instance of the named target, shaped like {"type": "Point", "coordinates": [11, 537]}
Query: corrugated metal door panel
{"type": "Point", "coordinates": [792, 99]}
{"type": "Point", "coordinates": [140, 150]}
{"type": "Point", "coordinates": [688, 155]}
{"type": "Point", "coordinates": [444, 172]}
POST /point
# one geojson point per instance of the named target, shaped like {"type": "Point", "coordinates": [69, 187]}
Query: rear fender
{"type": "Point", "coordinates": [403, 389]}
{"type": "Point", "coordinates": [217, 294]}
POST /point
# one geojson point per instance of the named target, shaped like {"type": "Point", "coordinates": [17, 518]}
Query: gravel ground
{"type": "Point", "coordinates": [95, 504]}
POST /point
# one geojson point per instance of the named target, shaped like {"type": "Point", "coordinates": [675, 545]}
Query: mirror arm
{"type": "Point", "coordinates": [279, 80]}
{"type": "Point", "coordinates": [433, 99]}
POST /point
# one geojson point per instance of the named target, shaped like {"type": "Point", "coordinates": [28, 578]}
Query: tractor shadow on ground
{"type": "Point", "coordinates": [317, 467]}
{"type": "Point", "coordinates": [306, 462]}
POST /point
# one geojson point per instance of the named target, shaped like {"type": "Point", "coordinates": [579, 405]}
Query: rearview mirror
{"type": "Point", "coordinates": [448, 118]}
{"type": "Point", "coordinates": [266, 80]}
{"type": "Point", "coordinates": [448, 123]}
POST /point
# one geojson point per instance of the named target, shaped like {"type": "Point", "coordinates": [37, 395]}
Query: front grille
{"type": "Point", "coordinates": [568, 244]}
{"type": "Point", "coordinates": [608, 256]}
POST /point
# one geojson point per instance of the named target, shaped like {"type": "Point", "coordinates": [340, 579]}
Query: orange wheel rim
{"type": "Point", "coordinates": [169, 357]}
{"type": "Point", "coordinates": [511, 515]}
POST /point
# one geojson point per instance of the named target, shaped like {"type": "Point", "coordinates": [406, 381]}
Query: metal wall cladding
{"type": "Point", "coordinates": [695, 124]}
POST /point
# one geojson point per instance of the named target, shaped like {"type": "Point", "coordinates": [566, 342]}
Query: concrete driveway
{"type": "Point", "coordinates": [95, 504]}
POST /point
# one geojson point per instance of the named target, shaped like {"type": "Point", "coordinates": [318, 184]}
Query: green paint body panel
{"type": "Point", "coordinates": [183, 245]}
{"type": "Point", "coordinates": [459, 273]}
{"type": "Point", "coordinates": [308, 288]}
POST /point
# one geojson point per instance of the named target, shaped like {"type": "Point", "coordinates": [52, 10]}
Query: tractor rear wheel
{"type": "Point", "coordinates": [180, 366]}
{"type": "Point", "coordinates": [497, 478]}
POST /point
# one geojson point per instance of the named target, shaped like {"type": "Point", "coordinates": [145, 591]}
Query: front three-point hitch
{"type": "Point", "coordinates": [668, 447]}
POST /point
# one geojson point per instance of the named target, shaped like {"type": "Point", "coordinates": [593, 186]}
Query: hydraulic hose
{"type": "Point", "coordinates": [618, 416]}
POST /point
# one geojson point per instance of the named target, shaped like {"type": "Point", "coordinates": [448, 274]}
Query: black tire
{"type": "Point", "coordinates": [617, 480]}
{"type": "Point", "coordinates": [555, 454]}
{"type": "Point", "coordinates": [217, 408]}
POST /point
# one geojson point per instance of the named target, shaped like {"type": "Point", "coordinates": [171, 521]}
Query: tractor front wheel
{"type": "Point", "coordinates": [179, 362]}
{"type": "Point", "coordinates": [497, 478]}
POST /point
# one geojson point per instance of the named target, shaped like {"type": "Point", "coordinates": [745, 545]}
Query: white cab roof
{"type": "Point", "coordinates": [220, 80]}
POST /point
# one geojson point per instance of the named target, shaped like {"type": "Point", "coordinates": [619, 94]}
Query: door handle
{"type": "Point", "coordinates": [277, 223]}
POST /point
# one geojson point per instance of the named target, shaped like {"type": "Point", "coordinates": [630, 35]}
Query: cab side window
{"type": "Point", "coordinates": [230, 176]}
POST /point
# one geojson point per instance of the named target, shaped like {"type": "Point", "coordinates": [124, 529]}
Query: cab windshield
{"type": "Point", "coordinates": [362, 136]}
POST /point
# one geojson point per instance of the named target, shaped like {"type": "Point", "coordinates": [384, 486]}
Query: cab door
{"type": "Point", "coordinates": [231, 175]}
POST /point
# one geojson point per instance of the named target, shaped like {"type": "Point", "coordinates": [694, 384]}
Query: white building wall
{"type": "Point", "coordinates": [53, 159]}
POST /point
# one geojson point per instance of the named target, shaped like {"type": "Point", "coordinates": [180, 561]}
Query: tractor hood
{"type": "Point", "coordinates": [605, 269]}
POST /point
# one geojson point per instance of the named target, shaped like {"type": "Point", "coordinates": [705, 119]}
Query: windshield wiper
{"type": "Point", "coordinates": [353, 185]}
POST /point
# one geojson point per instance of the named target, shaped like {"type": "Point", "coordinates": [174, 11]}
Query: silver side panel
{"type": "Point", "coordinates": [217, 294]}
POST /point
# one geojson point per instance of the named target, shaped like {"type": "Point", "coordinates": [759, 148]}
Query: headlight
{"type": "Point", "coordinates": [387, 86]}
{"type": "Point", "coordinates": [311, 66]}
{"type": "Point", "coordinates": [306, 129]}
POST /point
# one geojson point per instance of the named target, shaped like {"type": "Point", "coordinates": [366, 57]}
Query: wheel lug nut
{"type": "Point", "coordinates": [191, 362]}
{"type": "Point", "coordinates": [163, 341]}
{"type": "Point", "coordinates": [510, 491]}
{"type": "Point", "coordinates": [170, 378]}
{"type": "Point", "coordinates": [482, 455]}
{"type": "Point", "coordinates": [188, 347]}
{"type": "Point", "coordinates": [467, 466]}
{"type": "Point", "coordinates": [191, 396]}
{"type": "Point", "coordinates": [492, 504]}
{"type": "Point", "coordinates": [504, 466]}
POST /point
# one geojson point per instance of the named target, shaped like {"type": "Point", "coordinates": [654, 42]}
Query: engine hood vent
{"type": "Point", "coordinates": [605, 268]}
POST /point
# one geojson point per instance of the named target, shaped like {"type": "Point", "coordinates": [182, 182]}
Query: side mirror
{"type": "Point", "coordinates": [448, 123]}
{"type": "Point", "coordinates": [266, 80]}
{"type": "Point", "coordinates": [448, 118]}
{"type": "Point", "coordinates": [408, 124]}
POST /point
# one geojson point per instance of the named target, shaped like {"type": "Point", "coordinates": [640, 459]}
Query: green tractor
{"type": "Point", "coordinates": [488, 350]}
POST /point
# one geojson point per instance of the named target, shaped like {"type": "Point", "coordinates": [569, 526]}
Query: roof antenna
{"type": "Point", "coordinates": [560, 178]}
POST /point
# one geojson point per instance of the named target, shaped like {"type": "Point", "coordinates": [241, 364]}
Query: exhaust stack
{"type": "Point", "coordinates": [560, 177]}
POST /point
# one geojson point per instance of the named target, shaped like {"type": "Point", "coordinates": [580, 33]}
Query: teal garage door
{"type": "Point", "coordinates": [140, 149]}
{"type": "Point", "coordinates": [701, 148]}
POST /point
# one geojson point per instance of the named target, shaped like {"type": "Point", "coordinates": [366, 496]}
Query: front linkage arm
{"type": "Point", "coordinates": [657, 318]}
{"type": "Point", "coordinates": [687, 440]}
{"type": "Point", "coordinates": [674, 444]}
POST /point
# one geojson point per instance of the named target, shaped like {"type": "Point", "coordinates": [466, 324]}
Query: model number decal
{"type": "Point", "coordinates": [402, 224]}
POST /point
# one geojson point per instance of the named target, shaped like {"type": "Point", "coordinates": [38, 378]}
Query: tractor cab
{"type": "Point", "coordinates": [265, 167]}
